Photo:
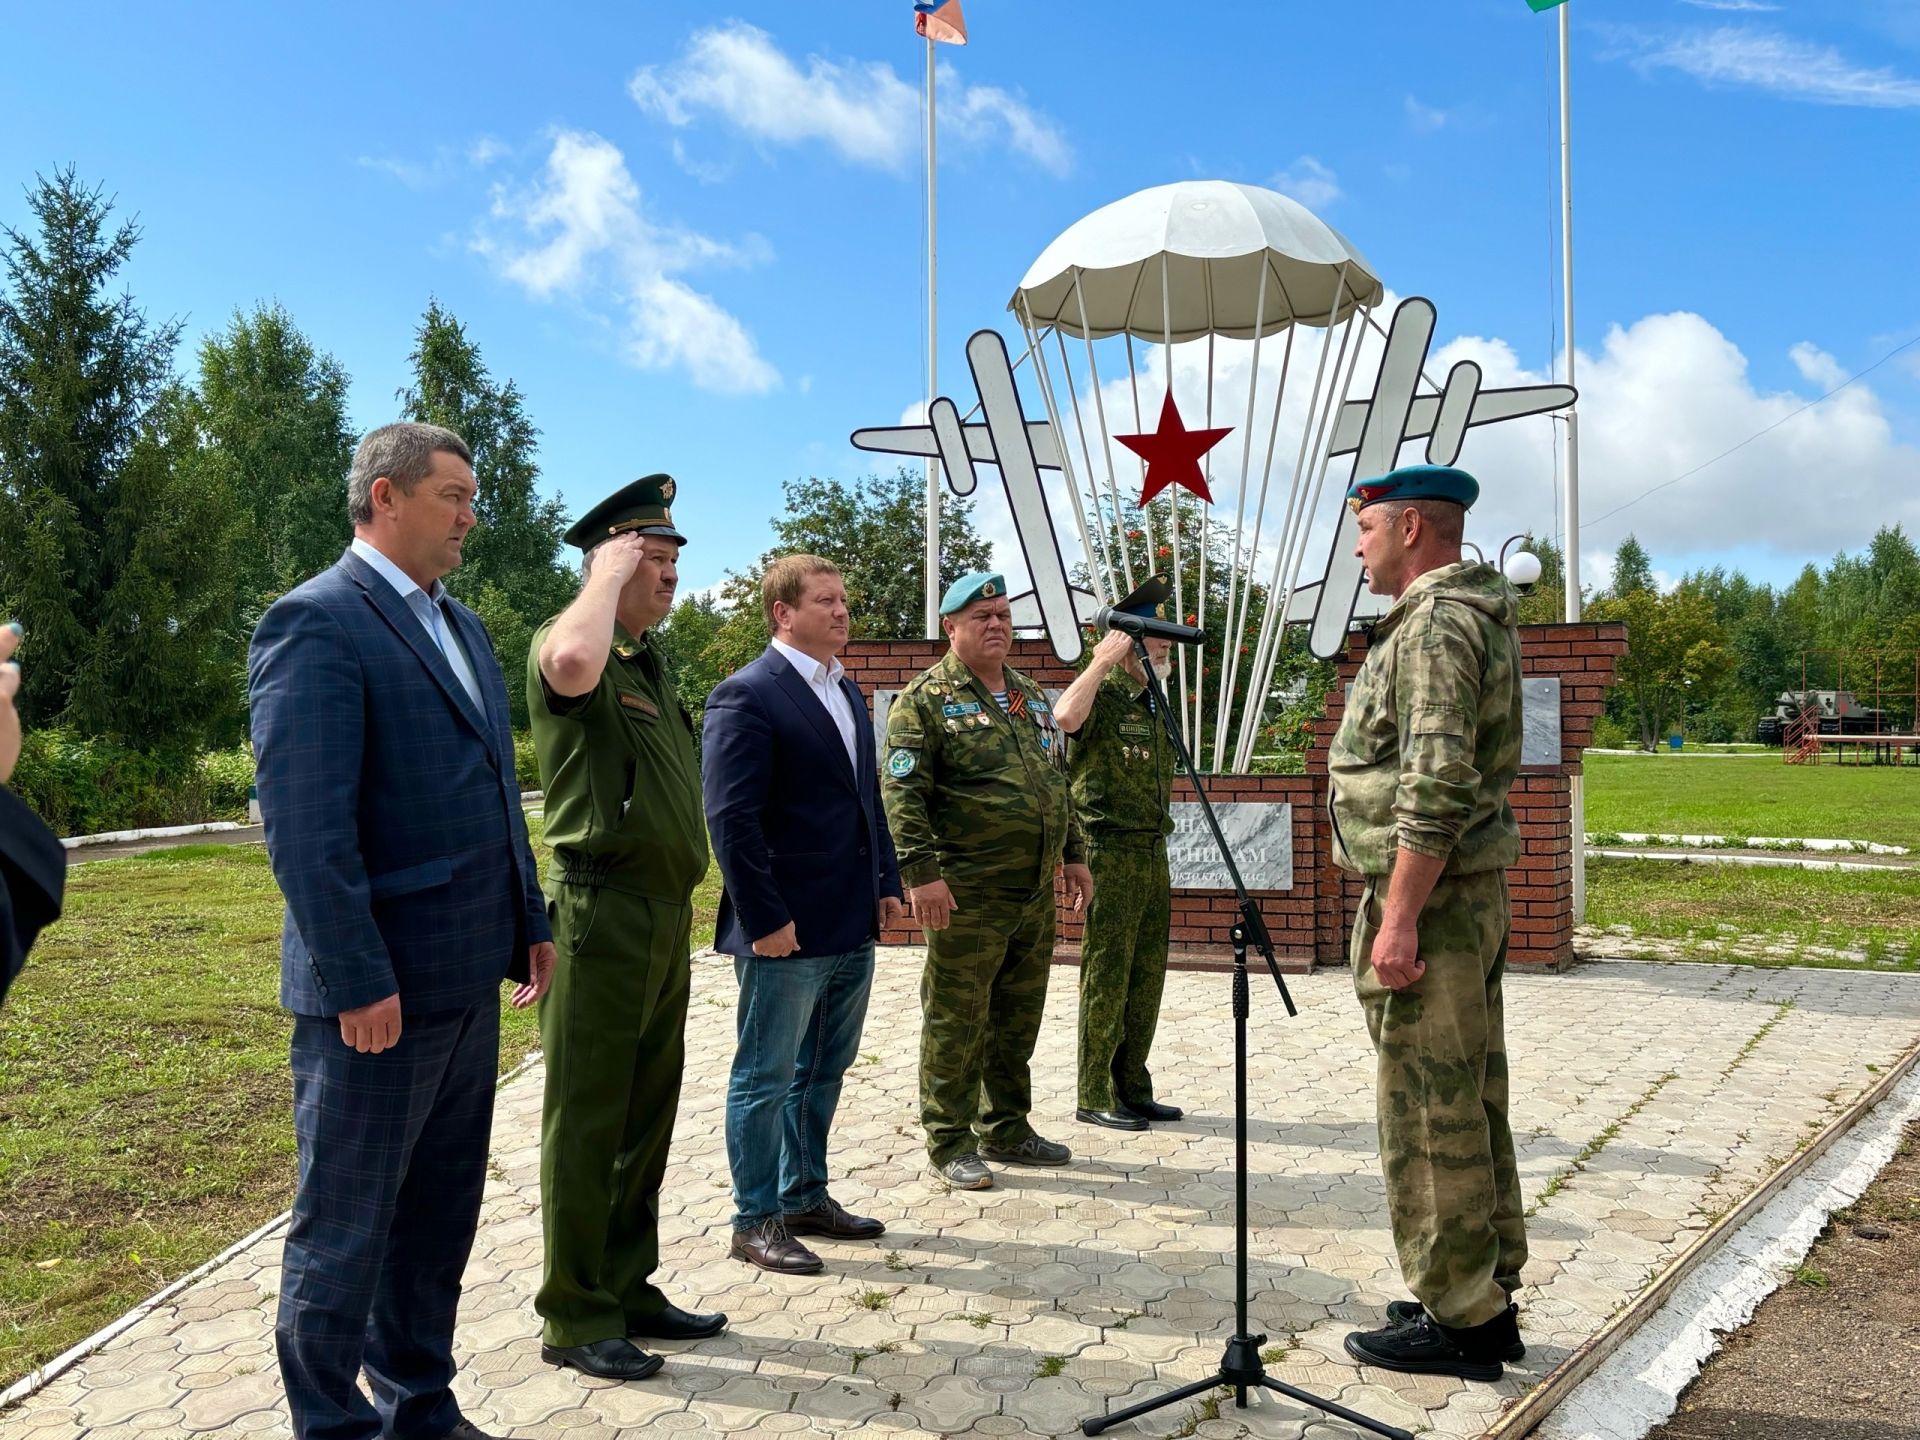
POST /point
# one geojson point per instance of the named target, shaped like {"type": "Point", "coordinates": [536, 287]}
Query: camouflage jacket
{"type": "Point", "coordinates": [1431, 738]}
{"type": "Point", "coordinates": [1120, 763]}
{"type": "Point", "coordinates": [973, 796]}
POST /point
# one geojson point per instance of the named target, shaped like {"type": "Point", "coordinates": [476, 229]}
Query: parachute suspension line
{"type": "Point", "coordinates": [1100, 413]}
{"type": "Point", "coordinates": [1323, 448]}
{"type": "Point", "coordinates": [1173, 494]}
{"type": "Point", "coordinates": [1093, 481]}
{"type": "Point", "coordinates": [1322, 411]}
{"type": "Point", "coordinates": [1228, 634]}
{"type": "Point", "coordinates": [1146, 512]}
{"type": "Point", "coordinates": [1206, 531]}
{"type": "Point", "coordinates": [1102, 575]}
{"type": "Point", "coordinates": [1106, 444]}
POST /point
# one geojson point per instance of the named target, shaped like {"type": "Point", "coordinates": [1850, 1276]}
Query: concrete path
{"type": "Point", "coordinates": [1648, 1100]}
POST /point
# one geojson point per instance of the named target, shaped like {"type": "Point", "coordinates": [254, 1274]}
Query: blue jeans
{"type": "Point", "coordinates": [799, 1027]}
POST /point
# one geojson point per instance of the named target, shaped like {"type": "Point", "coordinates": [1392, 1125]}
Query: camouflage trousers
{"type": "Point", "coordinates": [1453, 1192]}
{"type": "Point", "coordinates": [981, 998]}
{"type": "Point", "coordinates": [1123, 967]}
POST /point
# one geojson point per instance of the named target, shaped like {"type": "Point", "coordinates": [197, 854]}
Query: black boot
{"type": "Point", "coordinates": [1426, 1347]}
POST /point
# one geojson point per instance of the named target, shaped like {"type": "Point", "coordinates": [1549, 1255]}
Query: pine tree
{"type": "Point", "coordinates": [1632, 570]}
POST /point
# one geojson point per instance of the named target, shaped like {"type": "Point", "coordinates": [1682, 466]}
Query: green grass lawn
{"type": "Point", "coordinates": [145, 1101]}
{"type": "Point", "coordinates": [1878, 912]}
{"type": "Point", "coordinates": [1760, 796]}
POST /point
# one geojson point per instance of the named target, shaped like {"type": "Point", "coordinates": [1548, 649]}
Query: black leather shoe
{"type": "Point", "coordinates": [770, 1247]}
{"type": "Point", "coordinates": [1150, 1110]}
{"type": "Point", "coordinates": [1426, 1347]}
{"type": "Point", "coordinates": [1111, 1119]}
{"type": "Point", "coordinates": [673, 1323]}
{"type": "Point", "coordinates": [1405, 1312]}
{"type": "Point", "coordinates": [465, 1429]}
{"type": "Point", "coordinates": [604, 1359]}
{"type": "Point", "coordinates": [834, 1221]}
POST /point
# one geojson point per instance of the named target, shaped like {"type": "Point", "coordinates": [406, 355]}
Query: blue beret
{"type": "Point", "coordinates": [1416, 482]}
{"type": "Point", "coordinates": [1147, 599]}
{"type": "Point", "coordinates": [980, 585]}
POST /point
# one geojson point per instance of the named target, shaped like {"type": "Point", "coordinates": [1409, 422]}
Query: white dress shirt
{"type": "Point", "coordinates": [430, 609]}
{"type": "Point", "coordinates": [823, 678]}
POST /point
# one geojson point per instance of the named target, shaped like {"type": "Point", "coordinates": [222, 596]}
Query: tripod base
{"type": "Point", "coordinates": [1243, 1370]}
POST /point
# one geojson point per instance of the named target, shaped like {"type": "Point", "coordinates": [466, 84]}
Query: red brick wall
{"type": "Point", "coordinates": [1309, 922]}
{"type": "Point", "coordinates": [1582, 658]}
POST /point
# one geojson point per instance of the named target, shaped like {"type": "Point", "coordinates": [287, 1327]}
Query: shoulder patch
{"type": "Point", "coordinates": [900, 764]}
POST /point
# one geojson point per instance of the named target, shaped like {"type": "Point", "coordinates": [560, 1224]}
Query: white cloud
{"type": "Point", "coordinates": [1424, 118]}
{"type": "Point", "coordinates": [861, 109]}
{"type": "Point", "coordinates": [1766, 60]}
{"type": "Point", "coordinates": [485, 151]}
{"type": "Point", "coordinates": [579, 230]}
{"type": "Point", "coordinates": [1308, 181]}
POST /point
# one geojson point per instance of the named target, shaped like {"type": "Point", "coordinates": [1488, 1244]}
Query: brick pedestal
{"type": "Point", "coordinates": [1309, 922]}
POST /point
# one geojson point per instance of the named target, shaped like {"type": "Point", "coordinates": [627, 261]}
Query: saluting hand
{"type": "Point", "coordinates": [1079, 885]}
{"type": "Point", "coordinates": [619, 557]}
{"type": "Point", "coordinates": [781, 942]}
{"type": "Point", "coordinates": [541, 959]}
{"type": "Point", "coordinates": [372, 1028]}
{"type": "Point", "coordinates": [932, 904]}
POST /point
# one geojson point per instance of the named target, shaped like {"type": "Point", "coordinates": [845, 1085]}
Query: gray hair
{"type": "Point", "coordinates": [403, 452]}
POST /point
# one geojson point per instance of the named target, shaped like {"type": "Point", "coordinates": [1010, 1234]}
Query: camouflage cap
{"type": "Point", "coordinates": [641, 508]}
{"type": "Point", "coordinates": [980, 585]}
{"type": "Point", "coordinates": [1416, 482]}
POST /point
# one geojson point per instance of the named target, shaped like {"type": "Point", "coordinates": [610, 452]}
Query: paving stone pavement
{"type": "Point", "coordinates": [1648, 1099]}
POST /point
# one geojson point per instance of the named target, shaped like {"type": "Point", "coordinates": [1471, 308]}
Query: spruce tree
{"type": "Point", "coordinates": [79, 369]}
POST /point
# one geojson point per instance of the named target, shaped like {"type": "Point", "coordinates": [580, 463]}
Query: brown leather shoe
{"type": "Point", "coordinates": [834, 1221]}
{"type": "Point", "coordinates": [770, 1247]}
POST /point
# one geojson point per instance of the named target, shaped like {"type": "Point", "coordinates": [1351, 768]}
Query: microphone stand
{"type": "Point", "coordinates": [1240, 1365]}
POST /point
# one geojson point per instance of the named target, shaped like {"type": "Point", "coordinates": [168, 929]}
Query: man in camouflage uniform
{"type": "Point", "coordinates": [1120, 764]}
{"type": "Point", "coordinates": [976, 797]}
{"type": "Point", "coordinates": [623, 816]}
{"type": "Point", "coordinates": [1419, 775]}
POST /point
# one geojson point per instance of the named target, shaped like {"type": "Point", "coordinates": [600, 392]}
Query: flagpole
{"type": "Point", "coordinates": [1570, 485]}
{"type": "Point", "coordinates": [933, 380]}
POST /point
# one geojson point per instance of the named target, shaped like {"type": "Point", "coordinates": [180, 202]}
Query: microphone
{"type": "Point", "coordinates": [1145, 627]}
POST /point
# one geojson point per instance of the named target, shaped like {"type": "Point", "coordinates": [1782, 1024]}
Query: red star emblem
{"type": "Point", "coordinates": [1173, 453]}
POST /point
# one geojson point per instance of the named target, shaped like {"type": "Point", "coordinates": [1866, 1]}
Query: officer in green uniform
{"type": "Point", "coordinates": [629, 844]}
{"type": "Point", "coordinates": [976, 797]}
{"type": "Point", "coordinates": [1419, 775]}
{"type": "Point", "coordinates": [1120, 763]}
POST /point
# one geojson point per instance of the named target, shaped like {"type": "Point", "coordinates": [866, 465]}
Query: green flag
{"type": "Point", "coordinates": [1541, 6]}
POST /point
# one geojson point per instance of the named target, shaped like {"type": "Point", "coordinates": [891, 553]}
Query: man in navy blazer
{"type": "Point", "coordinates": [791, 785]}
{"type": "Point", "coordinates": [384, 761]}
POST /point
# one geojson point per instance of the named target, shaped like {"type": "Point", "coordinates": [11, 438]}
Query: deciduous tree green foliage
{"type": "Point", "coordinates": [275, 411]}
{"type": "Point", "coordinates": [121, 553]}
{"type": "Point", "coordinates": [875, 530]}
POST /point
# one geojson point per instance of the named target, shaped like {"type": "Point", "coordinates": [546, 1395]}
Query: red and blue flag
{"type": "Point", "coordinates": [940, 20]}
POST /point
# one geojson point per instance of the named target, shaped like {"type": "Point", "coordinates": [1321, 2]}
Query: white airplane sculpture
{"type": "Point", "coordinates": [1371, 430]}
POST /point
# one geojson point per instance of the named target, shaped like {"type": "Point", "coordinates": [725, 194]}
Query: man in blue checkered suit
{"type": "Point", "coordinates": [385, 770]}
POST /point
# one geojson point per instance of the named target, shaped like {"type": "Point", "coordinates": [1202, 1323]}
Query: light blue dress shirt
{"type": "Point", "coordinates": [430, 609]}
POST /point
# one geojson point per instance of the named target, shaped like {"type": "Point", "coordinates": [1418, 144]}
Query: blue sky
{"type": "Point", "coordinates": [692, 233]}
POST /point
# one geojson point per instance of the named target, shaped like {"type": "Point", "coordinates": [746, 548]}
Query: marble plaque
{"type": "Point", "coordinates": [1540, 720]}
{"type": "Point", "coordinates": [1260, 836]}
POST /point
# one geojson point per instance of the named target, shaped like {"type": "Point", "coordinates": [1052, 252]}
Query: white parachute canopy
{"type": "Point", "coordinates": [1201, 260]}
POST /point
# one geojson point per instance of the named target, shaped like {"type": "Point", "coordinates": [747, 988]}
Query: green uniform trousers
{"type": "Point", "coordinates": [1123, 966]}
{"type": "Point", "coordinates": [614, 1027]}
{"type": "Point", "coordinates": [982, 995]}
{"type": "Point", "coordinates": [1453, 1192]}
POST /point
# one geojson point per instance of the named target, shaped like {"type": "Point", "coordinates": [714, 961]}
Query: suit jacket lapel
{"type": "Point", "coordinates": [808, 703]}
{"type": "Point", "coordinates": [467, 626]}
{"type": "Point", "coordinates": [407, 626]}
